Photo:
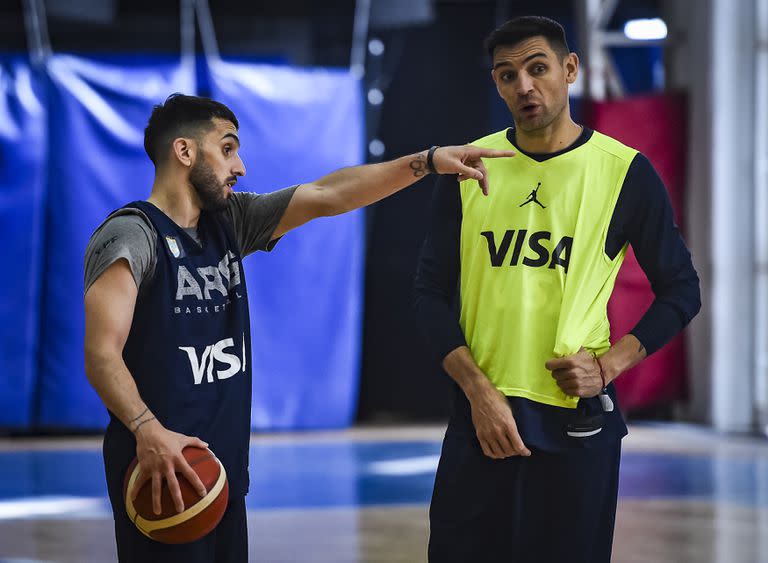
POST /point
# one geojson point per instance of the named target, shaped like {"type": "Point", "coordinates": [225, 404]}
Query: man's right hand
{"type": "Point", "coordinates": [159, 453]}
{"type": "Point", "coordinates": [494, 424]}
{"type": "Point", "coordinates": [491, 414]}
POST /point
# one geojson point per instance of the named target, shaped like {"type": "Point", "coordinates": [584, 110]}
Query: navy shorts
{"type": "Point", "coordinates": [547, 508]}
{"type": "Point", "coordinates": [227, 543]}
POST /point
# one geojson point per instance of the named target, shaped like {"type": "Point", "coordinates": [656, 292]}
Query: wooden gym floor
{"type": "Point", "coordinates": [361, 495]}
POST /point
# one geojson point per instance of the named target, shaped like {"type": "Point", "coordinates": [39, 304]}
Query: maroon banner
{"type": "Point", "coordinates": [656, 126]}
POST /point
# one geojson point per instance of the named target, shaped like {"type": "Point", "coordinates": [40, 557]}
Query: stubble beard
{"type": "Point", "coordinates": [539, 122]}
{"type": "Point", "coordinates": [542, 121]}
{"type": "Point", "coordinates": [207, 186]}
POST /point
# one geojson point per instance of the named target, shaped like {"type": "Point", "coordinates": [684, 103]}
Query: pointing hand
{"type": "Point", "coordinates": [466, 161]}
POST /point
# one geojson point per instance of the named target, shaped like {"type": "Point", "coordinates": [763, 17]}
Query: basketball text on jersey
{"type": "Point", "coordinates": [204, 364]}
{"type": "Point", "coordinates": [203, 283]}
{"type": "Point", "coordinates": [498, 251]}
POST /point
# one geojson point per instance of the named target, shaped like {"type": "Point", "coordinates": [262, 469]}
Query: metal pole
{"type": "Point", "coordinates": [359, 37]}
{"type": "Point", "coordinates": [603, 11]}
{"type": "Point", "coordinates": [207, 31]}
{"type": "Point", "coordinates": [591, 52]}
{"type": "Point", "coordinates": [36, 25]}
{"type": "Point", "coordinates": [187, 32]}
{"type": "Point", "coordinates": [760, 215]}
{"type": "Point", "coordinates": [618, 39]}
{"type": "Point", "coordinates": [600, 74]}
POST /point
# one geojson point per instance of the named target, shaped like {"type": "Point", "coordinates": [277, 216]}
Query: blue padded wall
{"type": "Point", "coordinates": [306, 295]}
{"type": "Point", "coordinates": [23, 146]}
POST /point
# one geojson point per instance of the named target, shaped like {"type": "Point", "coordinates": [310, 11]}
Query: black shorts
{"type": "Point", "coordinates": [547, 508]}
{"type": "Point", "coordinates": [227, 543]}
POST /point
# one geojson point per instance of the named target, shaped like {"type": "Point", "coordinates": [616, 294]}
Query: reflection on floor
{"type": "Point", "coordinates": [361, 496]}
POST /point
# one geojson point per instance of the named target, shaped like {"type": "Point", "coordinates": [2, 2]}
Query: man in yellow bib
{"type": "Point", "coordinates": [530, 460]}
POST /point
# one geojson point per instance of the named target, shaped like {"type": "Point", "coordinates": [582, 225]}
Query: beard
{"type": "Point", "coordinates": [541, 121]}
{"type": "Point", "coordinates": [207, 186]}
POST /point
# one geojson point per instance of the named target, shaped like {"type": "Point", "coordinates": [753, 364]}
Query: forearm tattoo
{"type": "Point", "coordinates": [419, 165]}
{"type": "Point", "coordinates": [641, 349]}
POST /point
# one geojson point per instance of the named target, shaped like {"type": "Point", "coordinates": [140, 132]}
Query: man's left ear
{"type": "Point", "coordinates": [571, 68]}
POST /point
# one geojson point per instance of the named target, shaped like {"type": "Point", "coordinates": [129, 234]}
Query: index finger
{"type": "Point", "coordinates": [563, 374]}
{"type": "Point", "coordinates": [494, 153]}
{"type": "Point", "coordinates": [558, 363]}
{"type": "Point", "coordinates": [142, 478]}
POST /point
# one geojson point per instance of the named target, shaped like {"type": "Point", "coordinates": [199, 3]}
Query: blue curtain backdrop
{"type": "Point", "coordinates": [71, 151]}
{"type": "Point", "coordinates": [22, 182]}
{"type": "Point", "coordinates": [98, 111]}
{"type": "Point", "coordinates": [305, 296]}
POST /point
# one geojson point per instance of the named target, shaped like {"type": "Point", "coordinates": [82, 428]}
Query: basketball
{"type": "Point", "coordinates": [200, 515]}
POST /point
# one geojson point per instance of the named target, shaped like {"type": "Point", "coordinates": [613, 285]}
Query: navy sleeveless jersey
{"type": "Point", "coordinates": [189, 346]}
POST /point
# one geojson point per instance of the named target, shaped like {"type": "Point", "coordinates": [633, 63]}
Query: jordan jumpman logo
{"type": "Point", "coordinates": [532, 197]}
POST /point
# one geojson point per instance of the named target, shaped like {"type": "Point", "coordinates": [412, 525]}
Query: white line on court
{"type": "Point", "coordinates": [52, 506]}
{"type": "Point", "coordinates": [405, 466]}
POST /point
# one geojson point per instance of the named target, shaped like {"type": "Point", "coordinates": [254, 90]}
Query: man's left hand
{"type": "Point", "coordinates": [578, 375]}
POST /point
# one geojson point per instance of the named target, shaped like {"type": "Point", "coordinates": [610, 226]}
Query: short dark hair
{"type": "Point", "coordinates": [524, 27]}
{"type": "Point", "coordinates": [181, 116]}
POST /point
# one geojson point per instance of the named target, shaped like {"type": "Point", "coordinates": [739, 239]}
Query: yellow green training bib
{"type": "Point", "coordinates": [535, 279]}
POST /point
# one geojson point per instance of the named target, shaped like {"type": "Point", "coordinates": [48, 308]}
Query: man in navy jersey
{"type": "Point", "coordinates": [167, 340]}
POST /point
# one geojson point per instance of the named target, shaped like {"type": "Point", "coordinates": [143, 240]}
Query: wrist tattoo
{"type": "Point", "coordinates": [641, 349]}
{"type": "Point", "coordinates": [419, 165]}
{"type": "Point", "coordinates": [138, 417]}
{"type": "Point", "coordinates": [142, 422]}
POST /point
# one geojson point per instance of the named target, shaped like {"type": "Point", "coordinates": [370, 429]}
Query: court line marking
{"type": "Point", "coordinates": [36, 507]}
{"type": "Point", "coordinates": [405, 466]}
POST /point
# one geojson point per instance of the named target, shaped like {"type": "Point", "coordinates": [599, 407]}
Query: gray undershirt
{"type": "Point", "coordinates": [129, 234]}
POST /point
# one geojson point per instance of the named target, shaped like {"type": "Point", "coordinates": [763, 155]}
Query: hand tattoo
{"type": "Point", "coordinates": [419, 165]}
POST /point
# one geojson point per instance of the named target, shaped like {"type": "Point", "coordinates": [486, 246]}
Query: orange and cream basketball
{"type": "Point", "coordinates": [200, 515]}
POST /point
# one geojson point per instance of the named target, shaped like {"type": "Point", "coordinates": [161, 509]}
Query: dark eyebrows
{"type": "Point", "coordinates": [528, 58]}
{"type": "Point", "coordinates": [233, 136]}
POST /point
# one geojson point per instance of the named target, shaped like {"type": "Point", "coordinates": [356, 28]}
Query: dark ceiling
{"type": "Point", "coordinates": [304, 32]}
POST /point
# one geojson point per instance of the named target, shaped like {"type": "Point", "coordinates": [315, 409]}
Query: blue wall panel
{"type": "Point", "coordinates": [305, 296]}
{"type": "Point", "coordinates": [23, 146]}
